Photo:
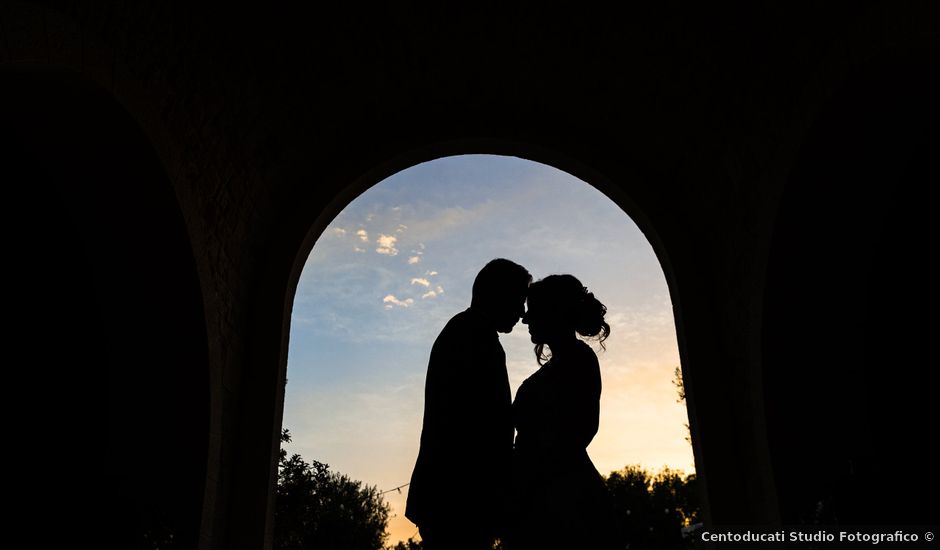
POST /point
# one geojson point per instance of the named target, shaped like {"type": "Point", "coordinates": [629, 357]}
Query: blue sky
{"type": "Point", "coordinates": [399, 261]}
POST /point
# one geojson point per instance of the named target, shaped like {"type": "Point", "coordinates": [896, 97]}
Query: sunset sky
{"type": "Point", "coordinates": [399, 261]}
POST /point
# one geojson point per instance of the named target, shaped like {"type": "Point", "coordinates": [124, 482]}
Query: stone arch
{"type": "Point", "coordinates": [114, 265]}
{"type": "Point", "coordinates": [687, 94]}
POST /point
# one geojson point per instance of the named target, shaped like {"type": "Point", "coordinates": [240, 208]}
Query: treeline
{"type": "Point", "coordinates": [655, 510]}
{"type": "Point", "coordinates": [322, 509]}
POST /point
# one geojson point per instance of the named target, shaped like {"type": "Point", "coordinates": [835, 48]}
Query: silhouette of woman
{"type": "Point", "coordinates": [560, 500]}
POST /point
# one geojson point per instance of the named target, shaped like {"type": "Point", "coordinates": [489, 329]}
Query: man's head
{"type": "Point", "coordinates": [499, 291]}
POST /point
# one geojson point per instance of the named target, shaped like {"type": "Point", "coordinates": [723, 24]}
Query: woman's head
{"type": "Point", "coordinates": [559, 307]}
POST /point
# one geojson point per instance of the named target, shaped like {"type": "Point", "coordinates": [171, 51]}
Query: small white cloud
{"type": "Point", "coordinates": [363, 235]}
{"type": "Point", "coordinates": [401, 228]}
{"type": "Point", "coordinates": [433, 293]}
{"type": "Point", "coordinates": [431, 273]}
{"type": "Point", "coordinates": [419, 281]}
{"type": "Point", "coordinates": [386, 245]}
{"type": "Point", "coordinates": [339, 231]}
{"type": "Point", "coordinates": [358, 249]}
{"type": "Point", "coordinates": [391, 300]}
{"type": "Point", "coordinates": [413, 260]}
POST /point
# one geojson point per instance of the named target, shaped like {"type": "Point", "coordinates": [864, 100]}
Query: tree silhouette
{"type": "Point", "coordinates": [412, 544]}
{"type": "Point", "coordinates": [317, 508]}
{"type": "Point", "coordinates": [409, 544]}
{"type": "Point", "coordinates": [679, 383]}
{"type": "Point", "coordinates": [652, 509]}
{"type": "Point", "coordinates": [629, 491]}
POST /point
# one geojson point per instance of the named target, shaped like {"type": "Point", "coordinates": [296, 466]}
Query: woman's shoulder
{"type": "Point", "coordinates": [588, 367]}
{"type": "Point", "coordinates": [535, 383]}
{"type": "Point", "coordinates": [540, 374]}
{"type": "Point", "coordinates": [584, 352]}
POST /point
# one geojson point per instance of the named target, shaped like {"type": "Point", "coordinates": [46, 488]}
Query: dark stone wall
{"type": "Point", "coordinates": [713, 127]}
{"type": "Point", "coordinates": [848, 399]}
{"type": "Point", "coordinates": [114, 344]}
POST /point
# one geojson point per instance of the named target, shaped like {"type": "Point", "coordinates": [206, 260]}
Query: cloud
{"type": "Point", "coordinates": [363, 235]}
{"type": "Point", "coordinates": [431, 273]}
{"type": "Point", "coordinates": [433, 293]}
{"type": "Point", "coordinates": [418, 252]}
{"type": "Point", "coordinates": [358, 249]}
{"type": "Point", "coordinates": [387, 245]}
{"type": "Point", "coordinates": [401, 228]}
{"type": "Point", "coordinates": [419, 281]}
{"type": "Point", "coordinates": [339, 231]}
{"type": "Point", "coordinates": [391, 300]}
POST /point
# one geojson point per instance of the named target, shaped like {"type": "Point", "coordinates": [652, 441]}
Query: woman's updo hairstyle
{"type": "Point", "coordinates": [571, 302]}
{"type": "Point", "coordinates": [589, 317]}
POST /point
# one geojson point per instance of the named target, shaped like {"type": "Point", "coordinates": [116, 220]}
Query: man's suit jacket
{"type": "Point", "coordinates": [462, 474]}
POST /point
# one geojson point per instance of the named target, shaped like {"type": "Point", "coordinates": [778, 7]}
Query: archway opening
{"type": "Point", "coordinates": [392, 267]}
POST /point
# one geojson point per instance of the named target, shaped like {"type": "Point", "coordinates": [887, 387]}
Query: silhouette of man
{"type": "Point", "coordinates": [458, 489]}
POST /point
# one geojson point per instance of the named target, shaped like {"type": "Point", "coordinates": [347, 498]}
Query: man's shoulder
{"type": "Point", "coordinates": [465, 321]}
{"type": "Point", "coordinates": [466, 326]}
